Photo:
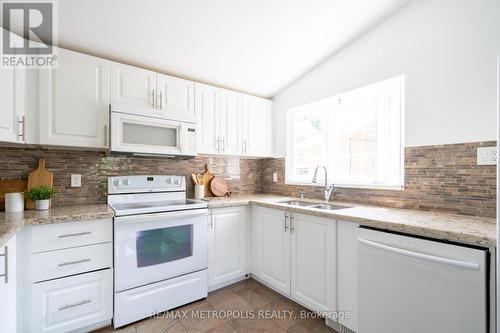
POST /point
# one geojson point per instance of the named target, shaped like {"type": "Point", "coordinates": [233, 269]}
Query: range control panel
{"type": "Point", "coordinates": [146, 183]}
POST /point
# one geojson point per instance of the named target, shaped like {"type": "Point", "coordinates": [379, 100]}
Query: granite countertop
{"type": "Point", "coordinates": [11, 223]}
{"type": "Point", "coordinates": [464, 229]}
{"type": "Point", "coordinates": [451, 227]}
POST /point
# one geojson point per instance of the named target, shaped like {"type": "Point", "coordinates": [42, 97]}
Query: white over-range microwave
{"type": "Point", "coordinates": [151, 135]}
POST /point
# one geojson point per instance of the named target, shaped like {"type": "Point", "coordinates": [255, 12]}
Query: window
{"type": "Point", "coordinates": [357, 135]}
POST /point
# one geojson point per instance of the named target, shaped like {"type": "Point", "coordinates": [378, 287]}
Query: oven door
{"type": "Point", "coordinates": [146, 135]}
{"type": "Point", "coordinates": [155, 247]}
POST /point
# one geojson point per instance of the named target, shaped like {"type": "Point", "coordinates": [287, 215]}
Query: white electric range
{"type": "Point", "coordinates": [160, 246]}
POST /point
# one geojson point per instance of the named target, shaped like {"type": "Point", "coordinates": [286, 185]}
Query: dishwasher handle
{"type": "Point", "coordinates": [422, 256]}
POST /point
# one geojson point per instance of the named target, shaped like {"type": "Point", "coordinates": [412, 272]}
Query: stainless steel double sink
{"type": "Point", "coordinates": [323, 206]}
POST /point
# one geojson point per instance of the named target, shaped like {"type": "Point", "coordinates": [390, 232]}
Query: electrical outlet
{"type": "Point", "coordinates": [76, 180]}
{"type": "Point", "coordinates": [275, 177]}
{"type": "Point", "coordinates": [487, 156]}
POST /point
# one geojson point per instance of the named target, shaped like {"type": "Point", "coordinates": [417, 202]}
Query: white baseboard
{"type": "Point", "coordinates": [228, 283]}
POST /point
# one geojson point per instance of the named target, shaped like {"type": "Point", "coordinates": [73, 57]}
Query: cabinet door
{"type": "Point", "coordinates": [12, 113]}
{"type": "Point", "coordinates": [313, 262]}
{"type": "Point", "coordinates": [8, 313]}
{"type": "Point", "coordinates": [271, 247]}
{"type": "Point", "coordinates": [74, 101]}
{"type": "Point", "coordinates": [72, 303]}
{"type": "Point", "coordinates": [347, 272]}
{"type": "Point", "coordinates": [133, 86]}
{"type": "Point", "coordinates": [226, 245]}
{"type": "Point", "coordinates": [230, 122]}
{"type": "Point", "coordinates": [175, 96]}
{"type": "Point", "coordinates": [259, 140]}
{"type": "Point", "coordinates": [207, 103]}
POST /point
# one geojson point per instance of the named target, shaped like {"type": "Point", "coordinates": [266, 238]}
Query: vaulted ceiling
{"type": "Point", "coordinates": [255, 46]}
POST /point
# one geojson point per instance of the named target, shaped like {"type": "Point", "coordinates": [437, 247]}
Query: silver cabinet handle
{"type": "Point", "coordinates": [153, 98]}
{"type": "Point", "coordinates": [286, 226]}
{"type": "Point", "coordinates": [22, 122]}
{"type": "Point", "coordinates": [69, 306]}
{"type": "Point", "coordinates": [75, 235]}
{"type": "Point", "coordinates": [223, 145]}
{"type": "Point", "coordinates": [5, 275]}
{"type": "Point", "coordinates": [292, 228]}
{"type": "Point", "coordinates": [211, 220]}
{"type": "Point", "coordinates": [73, 262]}
{"type": "Point", "coordinates": [160, 96]}
{"type": "Point", "coordinates": [217, 144]}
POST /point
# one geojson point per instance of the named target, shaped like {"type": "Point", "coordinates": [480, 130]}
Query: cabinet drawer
{"type": "Point", "coordinates": [65, 235]}
{"type": "Point", "coordinates": [56, 264]}
{"type": "Point", "coordinates": [72, 303]}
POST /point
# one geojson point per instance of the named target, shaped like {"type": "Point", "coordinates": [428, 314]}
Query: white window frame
{"type": "Point", "coordinates": [290, 140]}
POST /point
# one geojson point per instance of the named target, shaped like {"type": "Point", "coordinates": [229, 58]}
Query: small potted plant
{"type": "Point", "coordinates": [41, 195]}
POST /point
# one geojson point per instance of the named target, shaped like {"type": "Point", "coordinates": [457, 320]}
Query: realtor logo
{"type": "Point", "coordinates": [28, 34]}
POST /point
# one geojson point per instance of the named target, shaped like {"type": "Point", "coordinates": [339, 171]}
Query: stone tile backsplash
{"type": "Point", "coordinates": [242, 174]}
{"type": "Point", "coordinates": [441, 178]}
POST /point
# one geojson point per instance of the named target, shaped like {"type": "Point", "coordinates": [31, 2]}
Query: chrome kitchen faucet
{"type": "Point", "coordinates": [328, 188]}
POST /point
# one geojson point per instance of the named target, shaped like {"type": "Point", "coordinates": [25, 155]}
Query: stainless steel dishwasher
{"type": "Point", "coordinates": [413, 285]}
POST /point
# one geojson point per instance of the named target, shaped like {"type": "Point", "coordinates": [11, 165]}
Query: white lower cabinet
{"type": "Point", "coordinates": [54, 264]}
{"type": "Point", "coordinates": [296, 255]}
{"type": "Point", "coordinates": [226, 246]}
{"type": "Point", "coordinates": [66, 281]}
{"type": "Point", "coordinates": [8, 288]}
{"type": "Point", "coordinates": [71, 303]}
{"type": "Point", "coordinates": [347, 238]}
{"type": "Point", "coordinates": [271, 248]}
{"type": "Point", "coordinates": [313, 261]}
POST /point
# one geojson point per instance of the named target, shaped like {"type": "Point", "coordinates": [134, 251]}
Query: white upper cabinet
{"type": "Point", "coordinates": [132, 86]}
{"type": "Point", "coordinates": [140, 91]}
{"type": "Point", "coordinates": [257, 126]}
{"type": "Point", "coordinates": [207, 101]}
{"type": "Point", "coordinates": [175, 96]}
{"type": "Point", "coordinates": [226, 246]}
{"type": "Point", "coordinates": [74, 101]}
{"type": "Point", "coordinates": [12, 95]}
{"type": "Point", "coordinates": [230, 122]}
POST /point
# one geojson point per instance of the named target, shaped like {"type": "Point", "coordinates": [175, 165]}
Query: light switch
{"type": "Point", "coordinates": [275, 177]}
{"type": "Point", "coordinates": [487, 156]}
{"type": "Point", "coordinates": [76, 180]}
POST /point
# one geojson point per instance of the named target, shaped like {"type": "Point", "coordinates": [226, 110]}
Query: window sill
{"type": "Point", "coordinates": [359, 186]}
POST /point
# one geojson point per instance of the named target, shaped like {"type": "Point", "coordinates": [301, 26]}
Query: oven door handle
{"type": "Point", "coordinates": [143, 218]}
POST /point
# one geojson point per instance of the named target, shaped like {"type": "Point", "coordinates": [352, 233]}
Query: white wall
{"type": "Point", "coordinates": [447, 50]}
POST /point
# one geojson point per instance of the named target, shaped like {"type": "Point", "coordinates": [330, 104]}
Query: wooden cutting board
{"type": "Point", "coordinates": [206, 179]}
{"type": "Point", "coordinates": [10, 186]}
{"type": "Point", "coordinates": [219, 187]}
{"type": "Point", "coordinates": [38, 177]}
